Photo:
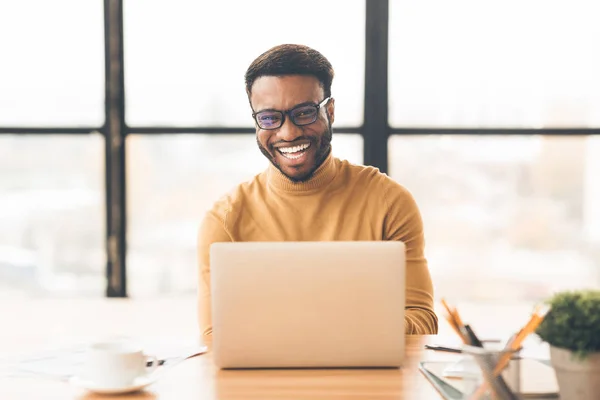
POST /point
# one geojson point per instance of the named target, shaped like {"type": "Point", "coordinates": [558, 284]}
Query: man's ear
{"type": "Point", "coordinates": [331, 110]}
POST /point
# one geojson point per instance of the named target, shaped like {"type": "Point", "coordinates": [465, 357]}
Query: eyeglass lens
{"type": "Point", "coordinates": [303, 115]}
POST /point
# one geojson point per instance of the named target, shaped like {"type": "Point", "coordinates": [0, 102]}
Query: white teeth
{"type": "Point", "coordinates": [291, 157]}
{"type": "Point", "coordinates": [294, 149]}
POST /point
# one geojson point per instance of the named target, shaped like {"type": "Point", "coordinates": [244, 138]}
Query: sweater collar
{"type": "Point", "coordinates": [320, 179]}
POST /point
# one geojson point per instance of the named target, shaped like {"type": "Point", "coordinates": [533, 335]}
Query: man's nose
{"type": "Point", "coordinates": [289, 131]}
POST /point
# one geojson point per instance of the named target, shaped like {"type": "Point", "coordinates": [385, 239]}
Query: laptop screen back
{"type": "Point", "coordinates": [308, 304]}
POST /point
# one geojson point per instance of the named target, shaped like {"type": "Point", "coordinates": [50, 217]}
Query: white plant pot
{"type": "Point", "coordinates": [577, 379]}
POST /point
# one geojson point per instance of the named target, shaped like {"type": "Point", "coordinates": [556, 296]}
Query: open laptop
{"type": "Point", "coordinates": [308, 304]}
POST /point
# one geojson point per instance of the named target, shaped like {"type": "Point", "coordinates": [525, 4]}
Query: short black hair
{"type": "Point", "coordinates": [291, 59]}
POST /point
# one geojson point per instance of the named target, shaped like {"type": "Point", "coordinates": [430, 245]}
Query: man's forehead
{"type": "Point", "coordinates": [284, 92]}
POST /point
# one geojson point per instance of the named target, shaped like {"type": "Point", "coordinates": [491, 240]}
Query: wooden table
{"type": "Point", "coordinates": [32, 325]}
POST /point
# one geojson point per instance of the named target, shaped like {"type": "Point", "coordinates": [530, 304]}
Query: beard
{"type": "Point", "coordinates": [322, 144]}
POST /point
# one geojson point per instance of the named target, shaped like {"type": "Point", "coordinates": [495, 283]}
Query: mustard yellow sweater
{"type": "Point", "coordinates": [341, 201]}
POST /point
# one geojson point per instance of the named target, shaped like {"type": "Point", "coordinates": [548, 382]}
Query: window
{"type": "Point", "coordinates": [505, 214]}
{"type": "Point", "coordinates": [506, 64]}
{"type": "Point", "coordinates": [512, 208]}
{"type": "Point", "coordinates": [52, 63]}
{"type": "Point", "coordinates": [185, 60]}
{"type": "Point", "coordinates": [52, 212]}
{"type": "Point", "coordinates": [172, 181]}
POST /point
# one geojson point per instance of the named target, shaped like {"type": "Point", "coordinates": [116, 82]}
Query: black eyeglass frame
{"type": "Point", "coordinates": [288, 113]}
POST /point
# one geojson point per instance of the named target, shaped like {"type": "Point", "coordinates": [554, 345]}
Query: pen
{"type": "Point", "coordinates": [450, 349]}
{"type": "Point", "coordinates": [443, 348]}
{"type": "Point", "coordinates": [472, 336]}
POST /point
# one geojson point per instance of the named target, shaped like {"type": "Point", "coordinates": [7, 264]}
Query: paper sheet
{"type": "Point", "coordinates": [63, 363]}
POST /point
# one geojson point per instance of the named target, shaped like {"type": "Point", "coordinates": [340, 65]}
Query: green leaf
{"type": "Point", "coordinates": [573, 322]}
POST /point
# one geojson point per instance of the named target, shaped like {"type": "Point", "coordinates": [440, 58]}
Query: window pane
{"type": "Point", "coordinates": [52, 212]}
{"type": "Point", "coordinates": [190, 71]}
{"type": "Point", "coordinates": [513, 63]}
{"type": "Point", "coordinates": [506, 217]}
{"type": "Point", "coordinates": [172, 181]}
{"type": "Point", "coordinates": [52, 63]}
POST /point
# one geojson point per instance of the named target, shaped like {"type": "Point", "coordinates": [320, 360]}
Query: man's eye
{"type": "Point", "coordinates": [269, 118]}
{"type": "Point", "coordinates": [304, 112]}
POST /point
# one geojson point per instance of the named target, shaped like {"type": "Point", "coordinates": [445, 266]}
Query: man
{"type": "Point", "coordinates": [306, 194]}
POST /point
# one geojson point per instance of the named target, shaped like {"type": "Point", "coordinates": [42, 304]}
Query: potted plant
{"type": "Point", "coordinates": [572, 329]}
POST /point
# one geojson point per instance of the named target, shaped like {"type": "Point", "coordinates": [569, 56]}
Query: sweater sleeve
{"type": "Point", "coordinates": [403, 222]}
{"type": "Point", "coordinates": [212, 230]}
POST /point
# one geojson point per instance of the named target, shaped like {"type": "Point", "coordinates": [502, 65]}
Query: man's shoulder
{"type": "Point", "coordinates": [238, 197]}
{"type": "Point", "coordinates": [372, 178]}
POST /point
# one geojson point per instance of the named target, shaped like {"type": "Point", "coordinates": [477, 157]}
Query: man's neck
{"type": "Point", "coordinates": [319, 179]}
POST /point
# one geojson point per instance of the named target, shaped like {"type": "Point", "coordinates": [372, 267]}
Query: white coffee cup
{"type": "Point", "coordinates": [116, 364]}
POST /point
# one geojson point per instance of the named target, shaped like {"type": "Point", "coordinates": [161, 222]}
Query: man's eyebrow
{"type": "Point", "coordinates": [306, 103]}
{"type": "Point", "coordinates": [265, 109]}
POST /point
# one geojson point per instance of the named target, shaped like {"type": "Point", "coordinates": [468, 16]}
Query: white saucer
{"type": "Point", "coordinates": [138, 384]}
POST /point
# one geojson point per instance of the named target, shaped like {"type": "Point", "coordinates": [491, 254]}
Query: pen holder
{"type": "Point", "coordinates": [505, 386]}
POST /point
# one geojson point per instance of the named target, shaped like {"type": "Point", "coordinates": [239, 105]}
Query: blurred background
{"type": "Point", "coordinates": [491, 118]}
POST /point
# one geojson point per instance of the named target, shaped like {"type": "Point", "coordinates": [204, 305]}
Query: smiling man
{"type": "Point", "coordinates": [307, 194]}
{"type": "Point", "coordinates": [297, 150]}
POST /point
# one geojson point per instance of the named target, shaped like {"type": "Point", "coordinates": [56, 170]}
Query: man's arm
{"type": "Point", "coordinates": [212, 230]}
{"type": "Point", "coordinates": [404, 223]}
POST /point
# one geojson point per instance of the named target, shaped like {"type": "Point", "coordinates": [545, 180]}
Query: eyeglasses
{"type": "Point", "coordinates": [303, 114]}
